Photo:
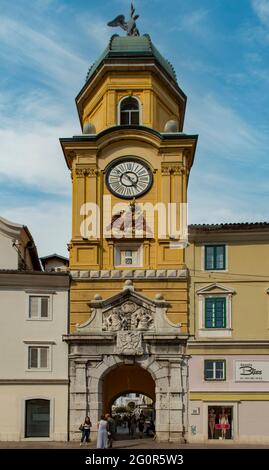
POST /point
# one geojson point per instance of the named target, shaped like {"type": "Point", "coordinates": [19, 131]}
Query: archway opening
{"type": "Point", "coordinates": [134, 415]}
{"type": "Point", "coordinates": [129, 395]}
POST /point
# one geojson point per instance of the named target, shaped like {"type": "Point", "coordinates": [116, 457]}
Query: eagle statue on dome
{"type": "Point", "coordinates": [128, 26]}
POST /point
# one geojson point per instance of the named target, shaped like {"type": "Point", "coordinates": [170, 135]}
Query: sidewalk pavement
{"type": "Point", "coordinates": [145, 443]}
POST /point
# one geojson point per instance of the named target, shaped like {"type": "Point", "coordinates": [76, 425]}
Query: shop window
{"type": "Point", "coordinates": [129, 112]}
{"type": "Point", "coordinates": [215, 257]}
{"type": "Point", "coordinates": [37, 418]}
{"type": "Point", "coordinates": [220, 422]}
{"type": "Point", "coordinates": [214, 370]}
{"type": "Point", "coordinates": [215, 312]}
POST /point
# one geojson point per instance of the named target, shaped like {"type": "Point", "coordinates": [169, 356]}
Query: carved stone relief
{"type": "Point", "coordinates": [128, 316]}
{"type": "Point", "coordinates": [129, 343]}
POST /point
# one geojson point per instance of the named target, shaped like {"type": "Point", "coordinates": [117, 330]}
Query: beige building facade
{"type": "Point", "coordinates": [229, 333]}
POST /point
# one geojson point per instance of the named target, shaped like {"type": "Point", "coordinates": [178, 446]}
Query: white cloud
{"type": "Point", "coordinates": [222, 186]}
{"type": "Point", "coordinates": [59, 66]}
{"type": "Point", "coordinates": [34, 159]}
{"type": "Point", "coordinates": [222, 131]}
{"type": "Point", "coordinates": [261, 8]}
{"type": "Point", "coordinates": [96, 30]}
{"type": "Point", "coordinates": [217, 208]}
{"type": "Point", "coordinates": [30, 151]}
{"type": "Point", "coordinates": [48, 222]}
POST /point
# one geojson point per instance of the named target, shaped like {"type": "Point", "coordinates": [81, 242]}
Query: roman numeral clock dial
{"type": "Point", "coordinates": [128, 178]}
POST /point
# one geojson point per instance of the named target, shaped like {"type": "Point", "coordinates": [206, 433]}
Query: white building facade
{"type": "Point", "coordinates": [34, 364]}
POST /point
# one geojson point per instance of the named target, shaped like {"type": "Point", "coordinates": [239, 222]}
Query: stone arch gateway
{"type": "Point", "coordinates": [126, 378]}
{"type": "Point", "coordinates": [129, 330]}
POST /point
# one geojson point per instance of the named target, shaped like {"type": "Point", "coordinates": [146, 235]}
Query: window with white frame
{"type": "Point", "coordinates": [129, 112]}
{"type": "Point", "coordinates": [215, 257]}
{"type": "Point", "coordinates": [129, 256]}
{"type": "Point", "coordinates": [39, 307]}
{"type": "Point", "coordinates": [215, 311]}
{"type": "Point", "coordinates": [214, 369]}
{"type": "Point", "coordinates": [38, 357]}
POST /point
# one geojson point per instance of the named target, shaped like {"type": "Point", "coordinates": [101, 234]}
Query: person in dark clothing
{"type": "Point", "coordinates": [111, 430]}
{"type": "Point", "coordinates": [141, 424]}
{"type": "Point", "coordinates": [85, 429]}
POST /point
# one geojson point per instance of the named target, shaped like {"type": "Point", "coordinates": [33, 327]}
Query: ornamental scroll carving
{"type": "Point", "coordinates": [170, 168]}
{"type": "Point", "coordinates": [128, 316]}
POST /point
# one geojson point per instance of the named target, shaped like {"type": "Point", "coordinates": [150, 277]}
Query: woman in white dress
{"type": "Point", "coordinates": [102, 433]}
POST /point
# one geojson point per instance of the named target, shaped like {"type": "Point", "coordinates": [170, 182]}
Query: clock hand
{"type": "Point", "coordinates": [130, 179]}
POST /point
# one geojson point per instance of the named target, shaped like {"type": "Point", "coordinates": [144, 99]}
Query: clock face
{"type": "Point", "coordinates": [129, 177]}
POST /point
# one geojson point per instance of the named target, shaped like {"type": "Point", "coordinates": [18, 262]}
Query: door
{"type": "Point", "coordinates": [37, 418]}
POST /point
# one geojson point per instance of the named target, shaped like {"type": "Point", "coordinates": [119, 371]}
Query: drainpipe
{"type": "Point", "coordinates": [68, 363]}
{"type": "Point", "coordinates": [87, 388]}
{"type": "Point", "coordinates": [185, 394]}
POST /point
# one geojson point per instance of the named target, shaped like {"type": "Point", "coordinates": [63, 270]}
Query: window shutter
{"type": "Point", "coordinates": [33, 311]}
{"type": "Point", "coordinates": [44, 357]}
{"type": "Point", "coordinates": [44, 307]}
{"type": "Point", "coordinates": [33, 358]}
{"type": "Point", "coordinates": [209, 313]}
{"type": "Point", "coordinates": [220, 313]}
{"type": "Point", "coordinates": [209, 257]}
{"type": "Point", "coordinates": [220, 257]}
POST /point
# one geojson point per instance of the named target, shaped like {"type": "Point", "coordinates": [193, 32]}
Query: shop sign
{"type": "Point", "coordinates": [252, 371]}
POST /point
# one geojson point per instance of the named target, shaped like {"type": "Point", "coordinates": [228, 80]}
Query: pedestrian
{"type": "Point", "coordinates": [129, 424]}
{"type": "Point", "coordinates": [111, 430]}
{"type": "Point", "coordinates": [141, 424]}
{"type": "Point", "coordinates": [85, 429]}
{"type": "Point", "coordinates": [102, 433]}
{"type": "Point", "coordinates": [133, 425]}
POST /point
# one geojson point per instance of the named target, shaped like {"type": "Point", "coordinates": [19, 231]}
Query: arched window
{"type": "Point", "coordinates": [129, 111]}
{"type": "Point", "coordinates": [37, 418]}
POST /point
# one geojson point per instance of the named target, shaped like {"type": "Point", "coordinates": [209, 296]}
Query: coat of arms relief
{"type": "Point", "coordinates": [128, 316]}
{"type": "Point", "coordinates": [128, 320]}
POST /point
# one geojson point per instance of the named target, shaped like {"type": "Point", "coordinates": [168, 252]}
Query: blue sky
{"type": "Point", "coordinates": [219, 49]}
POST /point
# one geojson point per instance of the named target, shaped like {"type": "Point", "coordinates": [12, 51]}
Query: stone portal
{"type": "Point", "coordinates": [129, 343]}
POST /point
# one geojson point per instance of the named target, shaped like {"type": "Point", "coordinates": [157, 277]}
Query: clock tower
{"type": "Point", "coordinates": [129, 297]}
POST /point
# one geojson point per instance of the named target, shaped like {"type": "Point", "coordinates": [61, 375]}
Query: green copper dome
{"type": "Point", "coordinates": [132, 47]}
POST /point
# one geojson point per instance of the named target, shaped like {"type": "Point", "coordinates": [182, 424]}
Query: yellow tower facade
{"type": "Point", "coordinates": [130, 169]}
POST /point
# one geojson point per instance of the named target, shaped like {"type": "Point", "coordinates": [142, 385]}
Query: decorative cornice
{"type": "Point", "coordinates": [192, 343]}
{"type": "Point", "coordinates": [22, 280]}
{"type": "Point", "coordinates": [97, 338]}
{"type": "Point", "coordinates": [34, 381]}
{"type": "Point", "coordinates": [215, 287]}
{"type": "Point", "coordinates": [147, 274]}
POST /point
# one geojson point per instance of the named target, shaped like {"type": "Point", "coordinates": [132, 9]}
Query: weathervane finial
{"type": "Point", "coordinates": [128, 26]}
